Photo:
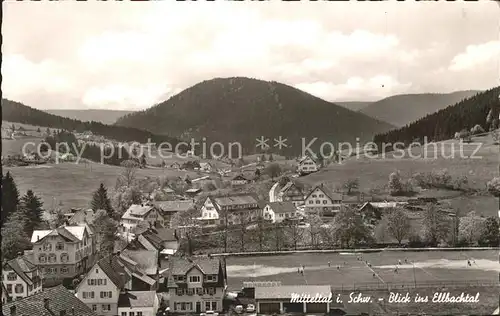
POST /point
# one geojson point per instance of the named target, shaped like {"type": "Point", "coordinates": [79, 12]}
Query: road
{"type": "Point", "coordinates": [272, 192]}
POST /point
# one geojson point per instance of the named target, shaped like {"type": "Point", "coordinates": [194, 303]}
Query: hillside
{"type": "Point", "coordinates": [102, 116]}
{"type": "Point", "coordinates": [400, 110]}
{"type": "Point", "coordinates": [19, 113]}
{"type": "Point", "coordinates": [242, 109]}
{"type": "Point", "coordinates": [354, 105]}
{"type": "Point", "coordinates": [446, 122]}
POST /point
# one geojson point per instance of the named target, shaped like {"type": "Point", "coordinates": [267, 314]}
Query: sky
{"type": "Point", "coordinates": [132, 55]}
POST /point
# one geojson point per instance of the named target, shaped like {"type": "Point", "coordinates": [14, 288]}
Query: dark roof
{"type": "Point", "coordinates": [180, 266]}
{"type": "Point", "coordinates": [157, 236]}
{"type": "Point", "coordinates": [137, 299]}
{"type": "Point", "coordinates": [111, 266]}
{"type": "Point", "coordinates": [175, 206]}
{"type": "Point", "coordinates": [60, 299]}
{"type": "Point", "coordinates": [21, 267]}
{"type": "Point", "coordinates": [282, 207]}
{"type": "Point", "coordinates": [333, 195]}
{"type": "Point", "coordinates": [146, 260]}
{"type": "Point", "coordinates": [82, 216]}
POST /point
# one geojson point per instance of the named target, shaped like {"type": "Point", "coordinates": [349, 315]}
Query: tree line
{"type": "Point", "coordinates": [481, 109]}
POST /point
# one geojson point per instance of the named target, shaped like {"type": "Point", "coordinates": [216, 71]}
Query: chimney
{"type": "Point", "coordinates": [13, 310]}
{"type": "Point", "coordinates": [73, 311]}
{"type": "Point", "coordinates": [38, 238]}
{"type": "Point", "coordinates": [46, 302]}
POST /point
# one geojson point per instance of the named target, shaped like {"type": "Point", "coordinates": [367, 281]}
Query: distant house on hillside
{"type": "Point", "coordinates": [321, 202]}
{"type": "Point", "coordinates": [205, 167]}
{"type": "Point", "coordinates": [307, 165]}
{"type": "Point", "coordinates": [139, 213]}
{"type": "Point", "coordinates": [277, 212]}
{"type": "Point", "coordinates": [169, 208]}
{"type": "Point", "coordinates": [239, 180]}
{"type": "Point", "coordinates": [216, 209]}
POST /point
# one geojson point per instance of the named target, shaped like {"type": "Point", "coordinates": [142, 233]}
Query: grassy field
{"type": "Point", "coordinates": [424, 273]}
{"type": "Point", "coordinates": [73, 184]}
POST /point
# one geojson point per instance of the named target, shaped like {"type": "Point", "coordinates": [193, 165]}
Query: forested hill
{"type": "Point", "coordinates": [243, 109]}
{"type": "Point", "coordinates": [445, 123]}
{"type": "Point", "coordinates": [17, 112]}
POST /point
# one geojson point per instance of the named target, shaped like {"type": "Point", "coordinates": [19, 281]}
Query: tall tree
{"type": "Point", "coordinates": [128, 176]}
{"type": "Point", "coordinates": [32, 207]}
{"type": "Point", "coordinates": [14, 237]}
{"type": "Point", "coordinates": [273, 170]}
{"type": "Point", "coordinates": [10, 196]}
{"type": "Point", "coordinates": [101, 201]}
{"type": "Point", "coordinates": [490, 236]}
{"type": "Point", "coordinates": [188, 228]}
{"type": "Point", "coordinates": [351, 184]}
{"type": "Point", "coordinates": [398, 225]}
{"type": "Point", "coordinates": [470, 228]}
{"type": "Point", "coordinates": [436, 225]}
{"type": "Point", "coordinates": [124, 197]}
{"type": "Point", "coordinates": [350, 228]}
{"type": "Point", "coordinates": [106, 229]}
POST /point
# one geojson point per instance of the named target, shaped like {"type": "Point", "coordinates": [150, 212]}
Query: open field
{"type": "Point", "coordinates": [73, 184]}
{"type": "Point", "coordinates": [430, 266]}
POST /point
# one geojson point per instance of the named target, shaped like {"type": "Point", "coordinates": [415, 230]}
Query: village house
{"type": "Point", "coordinates": [138, 303]}
{"type": "Point", "coordinates": [239, 180]}
{"type": "Point", "coordinates": [101, 287]}
{"type": "Point", "coordinates": [205, 167]}
{"type": "Point", "coordinates": [161, 239]}
{"type": "Point", "coordinates": [64, 252]}
{"type": "Point", "coordinates": [307, 165]}
{"type": "Point", "coordinates": [278, 299]}
{"type": "Point", "coordinates": [170, 208]}
{"type": "Point", "coordinates": [217, 209]}
{"type": "Point", "coordinates": [79, 216]}
{"type": "Point", "coordinates": [21, 278]}
{"type": "Point", "coordinates": [139, 213]}
{"type": "Point", "coordinates": [292, 193]}
{"type": "Point", "coordinates": [196, 285]}
{"type": "Point", "coordinates": [166, 193]}
{"type": "Point", "coordinates": [321, 202]}
{"type": "Point", "coordinates": [57, 301]}
{"type": "Point", "coordinates": [277, 212]}
{"type": "Point", "coordinates": [193, 192]}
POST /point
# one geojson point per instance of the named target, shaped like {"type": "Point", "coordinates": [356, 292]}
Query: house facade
{"type": "Point", "coordinates": [239, 180]}
{"type": "Point", "coordinates": [64, 252]}
{"type": "Point", "coordinates": [291, 193]}
{"type": "Point", "coordinates": [321, 202]}
{"type": "Point", "coordinates": [277, 212]}
{"type": "Point", "coordinates": [196, 285]}
{"type": "Point", "coordinates": [205, 167]}
{"type": "Point", "coordinates": [138, 303]}
{"type": "Point", "coordinates": [307, 165]}
{"type": "Point", "coordinates": [21, 279]}
{"type": "Point", "coordinates": [234, 209]}
{"type": "Point", "coordinates": [140, 213]}
{"type": "Point", "coordinates": [169, 208]}
{"type": "Point", "coordinates": [100, 289]}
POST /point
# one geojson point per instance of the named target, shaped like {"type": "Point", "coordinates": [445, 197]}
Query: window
{"type": "Point", "coordinates": [311, 202]}
{"type": "Point", "coordinates": [318, 201]}
{"type": "Point", "coordinates": [106, 307]}
{"type": "Point", "coordinates": [124, 313]}
{"type": "Point", "coordinates": [96, 270]}
{"type": "Point", "coordinates": [47, 247]}
{"type": "Point", "coordinates": [60, 246]}
{"type": "Point", "coordinates": [214, 306]}
{"type": "Point", "coordinates": [64, 257]}
{"type": "Point", "coordinates": [64, 270]}
{"type": "Point", "coordinates": [207, 306]}
{"type": "Point", "coordinates": [94, 308]}
{"type": "Point", "coordinates": [106, 294]}
{"type": "Point", "coordinates": [52, 257]}
{"type": "Point", "coordinates": [19, 288]}
{"type": "Point", "coordinates": [42, 258]}
{"type": "Point", "coordinates": [131, 314]}
{"type": "Point", "coordinates": [139, 313]}
{"type": "Point", "coordinates": [199, 291]}
{"type": "Point", "coordinates": [180, 292]}
{"type": "Point", "coordinates": [11, 276]}
{"type": "Point", "coordinates": [194, 279]}
{"type": "Point", "coordinates": [9, 288]}
{"type": "Point", "coordinates": [325, 201]}
{"type": "Point", "coordinates": [190, 291]}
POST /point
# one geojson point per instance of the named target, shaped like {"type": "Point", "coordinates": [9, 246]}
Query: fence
{"type": "Point", "coordinates": [379, 286]}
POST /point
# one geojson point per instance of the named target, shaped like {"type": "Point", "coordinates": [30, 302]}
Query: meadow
{"type": "Point", "coordinates": [72, 185]}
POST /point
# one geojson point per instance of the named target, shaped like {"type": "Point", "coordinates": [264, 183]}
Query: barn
{"type": "Point", "coordinates": [278, 299]}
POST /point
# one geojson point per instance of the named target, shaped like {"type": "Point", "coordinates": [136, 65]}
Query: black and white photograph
{"type": "Point", "coordinates": [250, 158]}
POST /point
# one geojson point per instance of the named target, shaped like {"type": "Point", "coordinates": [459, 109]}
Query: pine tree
{"type": "Point", "coordinates": [14, 237]}
{"type": "Point", "coordinates": [271, 158]}
{"type": "Point", "coordinates": [100, 201]}
{"type": "Point", "coordinates": [32, 208]}
{"type": "Point", "coordinates": [10, 196]}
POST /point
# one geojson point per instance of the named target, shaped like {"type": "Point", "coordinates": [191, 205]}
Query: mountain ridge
{"type": "Point", "coordinates": [243, 109]}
